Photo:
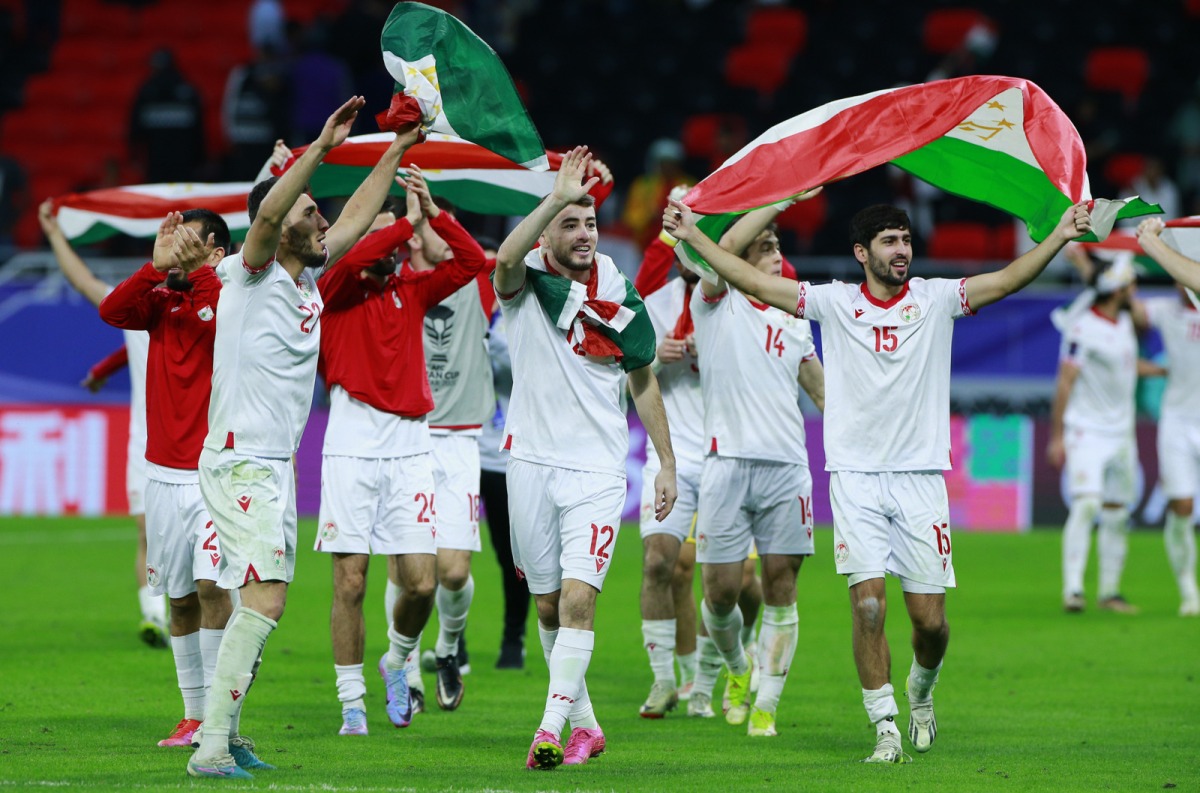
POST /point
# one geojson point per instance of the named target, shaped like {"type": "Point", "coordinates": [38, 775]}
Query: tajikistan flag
{"type": "Point", "coordinates": [458, 83]}
{"type": "Point", "coordinates": [139, 209]}
{"type": "Point", "coordinates": [997, 140]}
{"type": "Point", "coordinates": [1181, 234]}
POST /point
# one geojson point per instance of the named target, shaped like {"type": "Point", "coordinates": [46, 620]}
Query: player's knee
{"type": "Point", "coordinates": [350, 586]}
{"type": "Point", "coordinates": [657, 568]}
{"type": "Point", "coordinates": [454, 578]}
{"type": "Point", "coordinates": [186, 606]}
{"type": "Point", "coordinates": [931, 625]}
{"type": "Point", "coordinates": [421, 588]}
{"type": "Point", "coordinates": [547, 614]}
{"type": "Point", "coordinates": [1183, 507]}
{"type": "Point", "coordinates": [869, 613]}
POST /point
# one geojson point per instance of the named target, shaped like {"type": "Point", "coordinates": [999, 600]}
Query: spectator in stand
{"type": "Point", "coordinates": [324, 78]}
{"type": "Point", "coordinates": [13, 200]}
{"type": "Point", "coordinates": [255, 111]}
{"type": "Point", "coordinates": [166, 130]}
{"type": "Point", "coordinates": [267, 26]}
{"type": "Point", "coordinates": [648, 193]}
{"type": "Point", "coordinates": [1156, 187]}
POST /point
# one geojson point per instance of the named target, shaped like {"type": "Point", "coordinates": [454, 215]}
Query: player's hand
{"type": "Point", "coordinates": [163, 258]}
{"type": "Point", "coordinates": [678, 220]}
{"type": "Point", "coordinates": [1075, 222]}
{"type": "Point", "coordinates": [408, 137]}
{"type": "Point", "coordinates": [671, 350]}
{"type": "Point", "coordinates": [415, 183]}
{"type": "Point", "coordinates": [337, 126]}
{"type": "Point", "coordinates": [1056, 454]}
{"type": "Point", "coordinates": [412, 203]}
{"type": "Point", "coordinates": [93, 384]}
{"type": "Point", "coordinates": [664, 494]}
{"type": "Point", "coordinates": [691, 345]}
{"type": "Point", "coordinates": [1150, 228]}
{"type": "Point", "coordinates": [598, 168]}
{"type": "Point", "coordinates": [47, 219]}
{"type": "Point", "coordinates": [280, 154]}
{"type": "Point", "coordinates": [569, 186]}
{"type": "Point", "coordinates": [190, 251]}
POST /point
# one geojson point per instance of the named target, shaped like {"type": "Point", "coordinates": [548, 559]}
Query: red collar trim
{"type": "Point", "coordinates": [883, 303]}
{"type": "Point", "coordinates": [1098, 313]}
{"type": "Point", "coordinates": [759, 306]}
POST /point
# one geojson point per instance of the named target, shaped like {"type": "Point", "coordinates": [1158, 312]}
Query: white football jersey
{"type": "Point", "coordinates": [137, 348]}
{"type": "Point", "coordinates": [887, 372]}
{"type": "Point", "coordinates": [565, 408]}
{"type": "Point", "coordinates": [679, 381]}
{"type": "Point", "coordinates": [357, 429]}
{"type": "Point", "coordinates": [264, 359]}
{"type": "Point", "coordinates": [750, 356]}
{"type": "Point", "coordinates": [1179, 326]}
{"type": "Point", "coordinates": [1105, 350]}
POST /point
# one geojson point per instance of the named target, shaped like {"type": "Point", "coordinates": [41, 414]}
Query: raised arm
{"type": "Point", "coordinates": [363, 206]}
{"type": "Point", "coordinates": [569, 187]}
{"type": "Point", "coordinates": [1067, 374]}
{"type": "Point", "coordinates": [737, 238]}
{"type": "Point", "coordinates": [1184, 270]}
{"type": "Point", "coordinates": [983, 290]}
{"type": "Point", "coordinates": [643, 386]}
{"type": "Point", "coordinates": [679, 222]}
{"type": "Point", "coordinates": [263, 236]}
{"type": "Point", "coordinates": [77, 273]}
{"type": "Point", "coordinates": [812, 380]}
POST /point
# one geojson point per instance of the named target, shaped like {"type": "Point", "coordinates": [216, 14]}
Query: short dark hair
{"type": "Point", "coordinates": [210, 223]}
{"type": "Point", "coordinates": [258, 194]}
{"type": "Point", "coordinates": [487, 243]}
{"type": "Point", "coordinates": [588, 200]}
{"type": "Point", "coordinates": [874, 219]}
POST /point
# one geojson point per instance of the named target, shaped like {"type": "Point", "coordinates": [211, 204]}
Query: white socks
{"type": "Point", "coordinates": [1180, 541]}
{"type": "Point", "coordinates": [399, 648]}
{"type": "Point", "coordinates": [390, 596]}
{"type": "Point", "coordinates": [659, 639]}
{"type": "Point", "coordinates": [1077, 538]}
{"type": "Point", "coordinates": [921, 681]}
{"type": "Point", "coordinates": [725, 631]}
{"type": "Point", "coordinates": [687, 667]}
{"type": "Point", "coordinates": [351, 686]}
{"type": "Point", "coordinates": [210, 646]}
{"type": "Point", "coordinates": [776, 648]}
{"type": "Point", "coordinates": [881, 708]}
{"type": "Point", "coordinates": [569, 661]}
{"type": "Point", "coordinates": [189, 669]}
{"type": "Point", "coordinates": [1112, 543]}
{"type": "Point", "coordinates": [581, 714]}
{"type": "Point", "coordinates": [708, 665]}
{"type": "Point", "coordinates": [245, 637]}
{"type": "Point", "coordinates": [452, 609]}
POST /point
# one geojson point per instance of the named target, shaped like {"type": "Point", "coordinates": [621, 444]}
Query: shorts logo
{"type": "Point", "coordinates": [277, 557]}
{"type": "Point", "coordinates": [244, 502]}
{"type": "Point", "coordinates": [910, 312]}
{"type": "Point", "coordinates": [329, 532]}
{"type": "Point", "coordinates": [701, 542]}
{"type": "Point", "coordinates": [599, 564]}
{"type": "Point", "coordinates": [206, 313]}
{"type": "Point", "coordinates": [233, 692]}
{"type": "Point", "coordinates": [152, 577]}
{"type": "Point", "coordinates": [647, 512]}
{"type": "Point", "coordinates": [841, 553]}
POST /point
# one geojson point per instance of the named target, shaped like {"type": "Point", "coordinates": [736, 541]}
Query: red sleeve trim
{"type": "Point", "coordinates": [257, 270]}
{"type": "Point", "coordinates": [503, 296]}
{"type": "Point", "coordinates": [808, 357]}
{"type": "Point", "coordinates": [963, 303]}
{"type": "Point", "coordinates": [714, 298]}
{"type": "Point", "coordinates": [801, 299]}
{"type": "Point", "coordinates": [111, 364]}
{"type": "Point", "coordinates": [455, 427]}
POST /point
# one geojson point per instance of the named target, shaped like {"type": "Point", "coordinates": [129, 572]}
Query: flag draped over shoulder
{"type": "Point", "coordinates": [997, 140]}
{"type": "Point", "coordinates": [465, 174]}
{"type": "Point", "coordinates": [139, 209]}
{"type": "Point", "coordinates": [605, 317]}
{"type": "Point", "coordinates": [458, 83]}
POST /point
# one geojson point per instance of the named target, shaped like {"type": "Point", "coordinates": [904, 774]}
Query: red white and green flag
{"type": "Point", "coordinates": [1181, 234]}
{"type": "Point", "coordinates": [458, 84]}
{"type": "Point", "coordinates": [997, 140]}
{"type": "Point", "coordinates": [139, 209]}
{"type": "Point", "coordinates": [465, 174]}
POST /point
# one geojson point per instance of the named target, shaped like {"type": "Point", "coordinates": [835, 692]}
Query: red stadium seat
{"type": "Point", "coordinates": [784, 29]}
{"type": "Point", "coordinates": [1121, 169]}
{"type": "Point", "coordinates": [961, 240]}
{"type": "Point", "coordinates": [946, 29]}
{"type": "Point", "coordinates": [805, 218]}
{"type": "Point", "coordinates": [1120, 69]}
{"type": "Point", "coordinates": [763, 69]}
{"type": "Point", "coordinates": [1004, 242]}
{"type": "Point", "coordinates": [97, 20]}
{"type": "Point", "coordinates": [702, 133]}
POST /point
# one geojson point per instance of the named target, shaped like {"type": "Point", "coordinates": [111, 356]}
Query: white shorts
{"type": "Point", "coordinates": [181, 543]}
{"type": "Point", "coordinates": [679, 523]}
{"type": "Point", "coordinates": [564, 524]}
{"type": "Point", "coordinates": [896, 523]}
{"type": "Point", "coordinates": [456, 483]}
{"type": "Point", "coordinates": [1101, 465]}
{"type": "Point", "coordinates": [252, 501]}
{"type": "Point", "coordinates": [1179, 457]}
{"type": "Point", "coordinates": [760, 501]}
{"type": "Point", "coordinates": [381, 506]}
{"type": "Point", "coordinates": [135, 480]}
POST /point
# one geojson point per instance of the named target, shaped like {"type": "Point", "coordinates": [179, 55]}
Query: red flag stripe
{"type": "Point", "coordinates": [431, 156]}
{"type": "Point", "coordinates": [124, 203]}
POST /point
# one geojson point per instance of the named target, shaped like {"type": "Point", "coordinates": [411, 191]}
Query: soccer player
{"type": "Point", "coordinates": [1178, 322]}
{"type": "Point", "coordinates": [264, 370]}
{"type": "Point", "coordinates": [1092, 432]}
{"type": "Point", "coordinates": [377, 481]}
{"type": "Point", "coordinates": [886, 349]}
{"type": "Point", "coordinates": [1184, 270]}
{"type": "Point", "coordinates": [153, 627]}
{"type": "Point", "coordinates": [174, 298]}
{"type": "Point", "coordinates": [574, 323]}
{"type": "Point", "coordinates": [755, 485]}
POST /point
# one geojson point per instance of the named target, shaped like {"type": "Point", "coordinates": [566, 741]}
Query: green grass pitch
{"type": "Point", "coordinates": [1030, 698]}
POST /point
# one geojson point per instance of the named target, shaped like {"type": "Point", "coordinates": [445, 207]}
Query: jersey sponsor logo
{"type": "Point", "coordinates": [858, 312]}
{"type": "Point", "coordinates": [206, 314]}
{"type": "Point", "coordinates": [841, 553]}
{"type": "Point", "coordinates": [910, 312]}
{"type": "Point", "coordinates": [244, 502]}
{"type": "Point", "coordinates": [152, 576]}
{"type": "Point", "coordinates": [329, 532]}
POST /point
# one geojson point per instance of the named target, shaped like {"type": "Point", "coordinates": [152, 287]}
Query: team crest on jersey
{"type": "Point", "coordinates": [841, 553]}
{"type": "Point", "coordinates": [910, 312]}
{"type": "Point", "coordinates": [305, 289]}
{"type": "Point", "coordinates": [152, 577]}
{"type": "Point", "coordinates": [278, 558]}
{"type": "Point", "coordinates": [205, 313]}
{"type": "Point", "coordinates": [329, 532]}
